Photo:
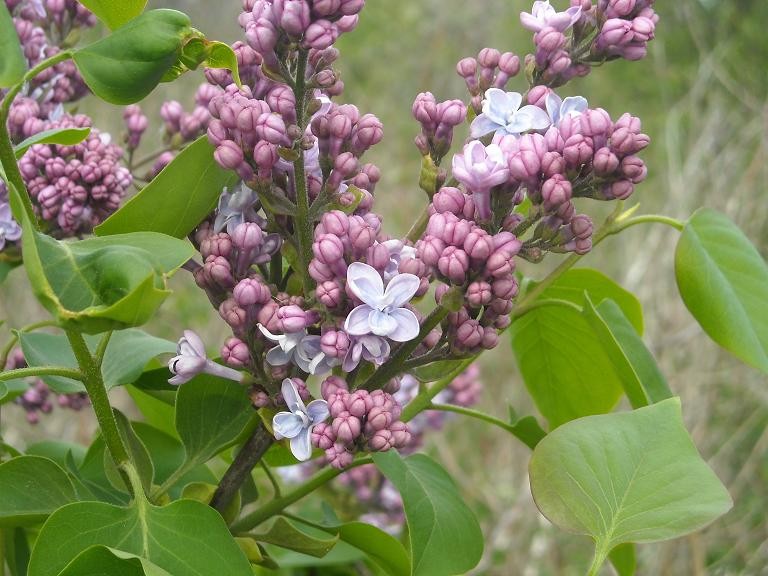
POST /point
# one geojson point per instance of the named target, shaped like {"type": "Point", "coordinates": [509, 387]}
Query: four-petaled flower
{"type": "Point", "coordinates": [381, 313]}
{"type": "Point", "coordinates": [235, 208]}
{"type": "Point", "coordinates": [502, 114]}
{"type": "Point", "coordinates": [480, 168]}
{"type": "Point", "coordinates": [9, 228]}
{"type": "Point", "coordinates": [397, 252]}
{"type": "Point", "coordinates": [543, 15]}
{"type": "Point", "coordinates": [369, 347]}
{"type": "Point", "coordinates": [191, 361]}
{"type": "Point", "coordinates": [558, 109]}
{"type": "Point", "coordinates": [297, 424]}
{"type": "Point", "coordinates": [300, 348]}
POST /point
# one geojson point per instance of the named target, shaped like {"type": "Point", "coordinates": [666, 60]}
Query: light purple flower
{"type": "Point", "coordinates": [480, 168]}
{"type": "Point", "coordinates": [191, 361]}
{"type": "Point", "coordinates": [558, 109]}
{"type": "Point", "coordinates": [297, 424]}
{"type": "Point", "coordinates": [502, 114]}
{"type": "Point", "coordinates": [301, 348]}
{"type": "Point", "coordinates": [235, 208]}
{"type": "Point", "coordinates": [9, 228]}
{"type": "Point", "coordinates": [543, 15]}
{"type": "Point", "coordinates": [381, 313]}
{"type": "Point", "coordinates": [369, 347]}
{"type": "Point", "coordinates": [397, 252]}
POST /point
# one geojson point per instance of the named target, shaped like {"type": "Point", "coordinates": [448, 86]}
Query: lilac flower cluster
{"type": "Point", "coordinates": [438, 120]}
{"type": "Point", "coordinates": [568, 43]}
{"type": "Point", "coordinates": [491, 69]}
{"type": "Point", "coordinates": [361, 420]}
{"type": "Point", "coordinates": [73, 188]}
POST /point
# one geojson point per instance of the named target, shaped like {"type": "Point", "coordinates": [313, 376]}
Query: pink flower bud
{"type": "Point", "coordinates": [235, 353]}
{"type": "Point", "coordinates": [330, 294]}
{"type": "Point", "coordinates": [229, 155]}
{"type": "Point", "coordinates": [293, 318]}
{"type": "Point", "coordinates": [469, 334]}
{"type": "Point", "coordinates": [247, 236]}
{"type": "Point", "coordinates": [335, 343]}
{"type": "Point", "coordinates": [634, 169]}
{"type": "Point", "coordinates": [381, 441]}
{"type": "Point", "coordinates": [448, 200]}
{"type": "Point", "coordinates": [332, 385]}
{"type": "Point", "coordinates": [322, 436]}
{"type": "Point", "coordinates": [605, 162]}
{"type": "Point", "coordinates": [555, 191]}
{"type": "Point", "coordinates": [549, 39]}
{"type": "Point", "coordinates": [479, 294]}
{"type": "Point", "coordinates": [454, 264]}
{"type": "Point", "coordinates": [251, 291]}
{"type": "Point", "coordinates": [505, 288]}
{"type": "Point", "coordinates": [478, 244]}
{"type": "Point", "coordinates": [320, 35]}
{"type": "Point", "coordinates": [338, 456]}
{"type": "Point", "coordinates": [328, 249]}
{"type": "Point", "coordinates": [233, 314]}
{"type": "Point", "coordinates": [346, 428]}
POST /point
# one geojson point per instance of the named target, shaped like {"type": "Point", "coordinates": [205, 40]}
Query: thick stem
{"type": "Point", "coordinates": [424, 398]}
{"type": "Point", "coordinates": [275, 506]}
{"type": "Point", "coordinates": [97, 392]}
{"type": "Point", "coordinates": [303, 223]}
{"type": "Point", "coordinates": [241, 467]}
{"type": "Point", "coordinates": [42, 371]}
{"type": "Point", "coordinates": [419, 226]}
{"type": "Point", "coordinates": [394, 365]}
{"type": "Point", "coordinates": [598, 560]}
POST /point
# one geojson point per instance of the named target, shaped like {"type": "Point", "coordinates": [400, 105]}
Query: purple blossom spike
{"type": "Point", "coordinates": [381, 313]}
{"type": "Point", "coordinates": [502, 114]}
{"type": "Point", "coordinates": [191, 361]}
{"type": "Point", "coordinates": [297, 424]}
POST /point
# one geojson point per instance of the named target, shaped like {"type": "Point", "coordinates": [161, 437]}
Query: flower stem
{"type": "Point", "coordinates": [42, 371]}
{"type": "Point", "coordinates": [479, 416]}
{"type": "Point", "coordinates": [275, 506]}
{"type": "Point", "coordinates": [97, 392]}
{"type": "Point", "coordinates": [419, 226]}
{"type": "Point", "coordinates": [394, 365]}
{"type": "Point", "coordinates": [423, 399]}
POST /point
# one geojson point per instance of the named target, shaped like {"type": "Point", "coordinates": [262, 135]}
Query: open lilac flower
{"type": "Point", "coordinates": [300, 348]}
{"type": "Point", "coordinates": [543, 15]}
{"type": "Point", "coordinates": [235, 208]}
{"type": "Point", "coordinates": [297, 424]}
{"type": "Point", "coordinates": [9, 228]}
{"type": "Point", "coordinates": [191, 361]}
{"type": "Point", "coordinates": [381, 313]}
{"type": "Point", "coordinates": [397, 252]}
{"type": "Point", "coordinates": [369, 347]}
{"type": "Point", "coordinates": [480, 168]}
{"type": "Point", "coordinates": [557, 108]}
{"type": "Point", "coordinates": [502, 114]}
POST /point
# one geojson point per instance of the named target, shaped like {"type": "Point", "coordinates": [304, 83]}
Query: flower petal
{"type": "Point", "coordinates": [301, 445]}
{"type": "Point", "coordinates": [365, 283]}
{"type": "Point", "coordinates": [573, 106]}
{"type": "Point", "coordinates": [291, 396]}
{"type": "Point", "coordinates": [483, 125]}
{"type": "Point", "coordinates": [537, 118]}
{"type": "Point", "coordinates": [401, 289]}
{"type": "Point", "coordinates": [268, 334]}
{"type": "Point", "coordinates": [317, 410]}
{"type": "Point", "coordinates": [191, 344]}
{"type": "Point", "coordinates": [356, 323]}
{"type": "Point", "coordinates": [407, 325]}
{"type": "Point", "coordinates": [530, 22]}
{"type": "Point", "coordinates": [381, 323]}
{"type": "Point", "coordinates": [287, 425]}
{"type": "Point", "coordinates": [553, 102]}
{"type": "Point", "coordinates": [277, 357]}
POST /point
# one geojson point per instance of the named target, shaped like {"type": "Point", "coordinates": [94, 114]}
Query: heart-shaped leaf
{"type": "Point", "coordinates": [185, 537]}
{"type": "Point", "coordinates": [627, 477]}
{"type": "Point", "coordinates": [178, 199]}
{"type": "Point", "coordinates": [13, 65]}
{"type": "Point", "coordinates": [444, 535]}
{"type": "Point", "coordinates": [31, 488]}
{"type": "Point", "coordinates": [723, 281]}
{"type": "Point", "coordinates": [115, 14]}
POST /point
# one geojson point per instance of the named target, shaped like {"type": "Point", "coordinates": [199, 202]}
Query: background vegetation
{"type": "Point", "coordinates": [703, 96]}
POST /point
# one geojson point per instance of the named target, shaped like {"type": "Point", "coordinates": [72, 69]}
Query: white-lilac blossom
{"type": "Point", "coordinates": [9, 228]}
{"type": "Point", "coordinates": [370, 348]}
{"type": "Point", "coordinates": [558, 109]}
{"type": "Point", "coordinates": [397, 252]}
{"type": "Point", "coordinates": [382, 311]}
{"type": "Point", "coordinates": [300, 348]}
{"type": "Point", "coordinates": [235, 208]}
{"type": "Point", "coordinates": [297, 424]}
{"type": "Point", "coordinates": [543, 15]}
{"type": "Point", "coordinates": [191, 360]}
{"type": "Point", "coordinates": [502, 115]}
{"type": "Point", "coordinates": [480, 168]}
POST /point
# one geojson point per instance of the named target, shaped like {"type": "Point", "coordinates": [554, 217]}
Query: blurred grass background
{"type": "Point", "coordinates": [702, 96]}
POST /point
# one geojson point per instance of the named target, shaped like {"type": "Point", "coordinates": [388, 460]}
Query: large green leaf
{"type": "Point", "coordinates": [115, 14]}
{"type": "Point", "coordinates": [127, 354]}
{"type": "Point", "coordinates": [13, 65]}
{"type": "Point", "coordinates": [381, 547]}
{"type": "Point", "coordinates": [104, 561]}
{"type": "Point", "coordinates": [125, 66]}
{"type": "Point", "coordinates": [211, 413]}
{"type": "Point", "coordinates": [628, 477]}
{"type": "Point", "coordinates": [563, 364]}
{"type": "Point", "coordinates": [16, 551]}
{"type": "Point", "coordinates": [444, 535]}
{"type": "Point", "coordinates": [178, 199]}
{"type": "Point", "coordinates": [723, 281]}
{"type": "Point", "coordinates": [102, 284]}
{"type": "Point", "coordinates": [184, 538]}
{"type": "Point", "coordinates": [31, 488]}
{"type": "Point", "coordinates": [64, 136]}
{"type": "Point", "coordinates": [155, 409]}
{"type": "Point", "coordinates": [283, 533]}
{"type": "Point", "coordinates": [640, 375]}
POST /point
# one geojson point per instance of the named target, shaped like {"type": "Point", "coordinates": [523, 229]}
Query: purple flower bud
{"type": "Point", "coordinates": [379, 418]}
{"type": "Point", "coordinates": [378, 256]}
{"type": "Point", "coordinates": [469, 334]}
{"type": "Point", "coordinates": [368, 131]}
{"type": "Point", "coordinates": [505, 288]}
{"type": "Point", "coordinates": [334, 222]}
{"type": "Point", "coordinates": [620, 190]}
{"type": "Point", "coordinates": [361, 235]}
{"type": "Point", "coordinates": [295, 16]}
{"type": "Point", "coordinates": [233, 314]}
{"type": "Point", "coordinates": [320, 35]}
{"type": "Point", "coordinates": [634, 169]}
{"type": "Point", "coordinates": [229, 155]}
{"type": "Point", "coordinates": [489, 58]}
{"type": "Point", "coordinates": [359, 403]}
{"type": "Point", "coordinates": [424, 110]}
{"type": "Point", "coordinates": [322, 436]}
{"type": "Point", "coordinates": [247, 236]}
{"type": "Point", "coordinates": [329, 250]}
{"type": "Point", "coordinates": [478, 294]}
{"type": "Point", "coordinates": [235, 353]}
{"type": "Point", "coordinates": [332, 385]}
{"type": "Point", "coordinates": [489, 342]}
{"type": "Point", "coordinates": [268, 316]}
{"type": "Point", "coordinates": [251, 291]}
{"type": "Point", "coordinates": [219, 271]}
{"type": "Point", "coordinates": [619, 8]}
{"type": "Point", "coordinates": [478, 244]}
{"type": "Point", "coordinates": [577, 151]}
{"type": "Point", "coordinates": [556, 191]}
{"type": "Point", "coordinates": [338, 456]}
{"type": "Point", "coordinates": [549, 39]}
{"type": "Point", "coordinates": [449, 200]}
{"type": "Point", "coordinates": [335, 343]}
{"type": "Point", "coordinates": [429, 249]}
{"type": "Point", "coordinates": [346, 428]}
{"type": "Point", "coordinates": [451, 112]}
{"type": "Point", "coordinates": [595, 123]}
{"type": "Point", "coordinates": [381, 441]}
{"type": "Point", "coordinates": [605, 162]}
{"type": "Point", "coordinates": [271, 127]}
{"type": "Point", "coordinates": [456, 232]}
{"type": "Point", "coordinates": [454, 264]}
{"type": "Point", "coordinates": [293, 318]}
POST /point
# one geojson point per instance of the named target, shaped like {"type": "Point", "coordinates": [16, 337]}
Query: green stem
{"type": "Point", "coordinates": [97, 392]}
{"type": "Point", "coordinates": [423, 399]}
{"type": "Point", "coordinates": [524, 309]}
{"type": "Point", "coordinates": [276, 505]}
{"type": "Point", "coordinates": [303, 223]}
{"type": "Point", "coordinates": [394, 365]}
{"type": "Point", "coordinates": [98, 357]}
{"type": "Point", "coordinates": [2, 553]}
{"type": "Point", "coordinates": [624, 223]}
{"type": "Point", "coordinates": [272, 479]}
{"type": "Point", "coordinates": [42, 371]}
{"type": "Point", "coordinates": [478, 416]}
{"type": "Point", "coordinates": [419, 226]}
{"type": "Point", "coordinates": [13, 340]}
{"type": "Point", "coordinates": [598, 560]}
{"type": "Point", "coordinates": [175, 476]}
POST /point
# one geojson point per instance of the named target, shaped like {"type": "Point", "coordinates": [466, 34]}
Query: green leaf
{"type": "Point", "coordinates": [13, 65]}
{"type": "Point", "coordinates": [640, 375]}
{"type": "Point", "coordinates": [624, 559]}
{"type": "Point", "coordinates": [563, 364]}
{"type": "Point", "coordinates": [381, 547]}
{"type": "Point", "coordinates": [436, 370]}
{"type": "Point", "coordinates": [104, 561]}
{"type": "Point", "coordinates": [63, 136]}
{"type": "Point", "coordinates": [127, 354]}
{"type": "Point", "coordinates": [115, 14]}
{"type": "Point", "coordinates": [125, 66]}
{"type": "Point", "coordinates": [178, 199]}
{"type": "Point", "coordinates": [6, 268]}
{"type": "Point", "coordinates": [221, 55]}
{"type": "Point", "coordinates": [12, 389]}
{"type": "Point", "coordinates": [526, 428]}
{"type": "Point", "coordinates": [137, 451]}
{"type": "Point", "coordinates": [628, 477]}
{"type": "Point", "coordinates": [723, 281]}
{"type": "Point", "coordinates": [16, 550]}
{"type": "Point", "coordinates": [184, 538]}
{"type": "Point", "coordinates": [210, 415]}
{"type": "Point", "coordinates": [58, 451]}
{"type": "Point", "coordinates": [32, 488]}
{"type": "Point", "coordinates": [102, 284]}
{"type": "Point", "coordinates": [444, 535]}
{"type": "Point", "coordinates": [155, 409]}
{"type": "Point", "coordinates": [284, 534]}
